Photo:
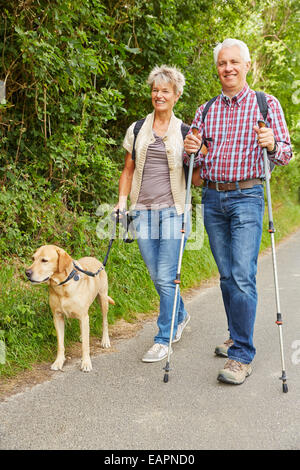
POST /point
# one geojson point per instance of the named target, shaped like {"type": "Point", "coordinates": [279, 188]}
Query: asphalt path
{"type": "Point", "coordinates": [123, 404]}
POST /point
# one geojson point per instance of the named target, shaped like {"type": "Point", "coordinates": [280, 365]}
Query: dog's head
{"type": "Point", "coordinates": [48, 261]}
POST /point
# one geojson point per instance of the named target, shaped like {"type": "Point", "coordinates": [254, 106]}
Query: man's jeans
{"type": "Point", "coordinates": [159, 235]}
{"type": "Point", "coordinates": [233, 221]}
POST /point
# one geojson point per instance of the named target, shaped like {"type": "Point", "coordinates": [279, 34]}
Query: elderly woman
{"type": "Point", "coordinates": [156, 183]}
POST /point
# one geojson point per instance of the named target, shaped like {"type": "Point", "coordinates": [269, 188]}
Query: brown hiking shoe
{"type": "Point", "coordinates": [234, 372]}
{"type": "Point", "coordinates": [222, 349]}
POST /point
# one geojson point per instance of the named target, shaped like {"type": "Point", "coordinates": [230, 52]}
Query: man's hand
{"type": "Point", "coordinates": [265, 137]}
{"type": "Point", "coordinates": [192, 143]}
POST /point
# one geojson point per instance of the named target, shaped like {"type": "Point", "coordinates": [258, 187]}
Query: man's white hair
{"type": "Point", "coordinates": [165, 73]}
{"type": "Point", "coordinates": [229, 43]}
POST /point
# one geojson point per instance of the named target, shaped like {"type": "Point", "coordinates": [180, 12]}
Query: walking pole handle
{"type": "Point", "coordinates": [195, 132]}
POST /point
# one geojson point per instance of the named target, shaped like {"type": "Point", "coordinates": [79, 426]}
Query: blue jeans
{"type": "Point", "coordinates": [159, 236]}
{"type": "Point", "coordinates": [233, 221]}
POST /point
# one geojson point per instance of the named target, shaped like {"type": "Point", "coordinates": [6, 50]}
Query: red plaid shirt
{"type": "Point", "coordinates": [234, 153]}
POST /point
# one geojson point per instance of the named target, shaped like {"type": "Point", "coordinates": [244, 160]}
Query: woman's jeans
{"type": "Point", "coordinates": [159, 236]}
{"type": "Point", "coordinates": [233, 221]}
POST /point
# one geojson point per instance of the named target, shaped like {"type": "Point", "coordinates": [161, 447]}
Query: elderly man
{"type": "Point", "coordinates": [233, 197]}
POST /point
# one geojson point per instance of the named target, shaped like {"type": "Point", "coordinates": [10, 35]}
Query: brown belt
{"type": "Point", "coordinates": [245, 184]}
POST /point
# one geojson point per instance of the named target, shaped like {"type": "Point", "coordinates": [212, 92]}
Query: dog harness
{"type": "Point", "coordinates": [74, 274]}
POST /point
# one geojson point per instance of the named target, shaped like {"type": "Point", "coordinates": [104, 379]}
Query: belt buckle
{"type": "Point", "coordinates": [217, 187]}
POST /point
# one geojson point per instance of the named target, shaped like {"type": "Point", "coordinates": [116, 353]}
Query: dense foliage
{"type": "Point", "coordinates": [75, 76]}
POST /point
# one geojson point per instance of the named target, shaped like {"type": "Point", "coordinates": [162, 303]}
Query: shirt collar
{"type": "Point", "coordinates": [238, 97]}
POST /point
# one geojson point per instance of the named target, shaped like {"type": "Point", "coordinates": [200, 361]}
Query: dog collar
{"type": "Point", "coordinates": [73, 274]}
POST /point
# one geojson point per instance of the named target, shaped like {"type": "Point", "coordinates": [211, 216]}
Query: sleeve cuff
{"type": "Point", "coordinates": [274, 151]}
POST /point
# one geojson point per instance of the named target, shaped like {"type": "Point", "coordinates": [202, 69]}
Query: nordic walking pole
{"type": "Point", "coordinates": [272, 231]}
{"type": "Point", "coordinates": [177, 280]}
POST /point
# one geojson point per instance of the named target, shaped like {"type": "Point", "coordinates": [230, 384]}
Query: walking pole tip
{"type": "Point", "coordinates": [166, 375]}
{"type": "Point", "coordinates": [285, 388]}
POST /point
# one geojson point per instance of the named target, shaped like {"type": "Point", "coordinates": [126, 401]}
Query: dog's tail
{"type": "Point", "coordinates": [110, 300]}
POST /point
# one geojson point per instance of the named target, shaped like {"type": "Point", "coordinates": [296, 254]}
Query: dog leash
{"type": "Point", "coordinates": [126, 220]}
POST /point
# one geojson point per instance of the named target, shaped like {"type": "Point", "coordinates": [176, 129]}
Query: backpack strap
{"type": "Point", "coordinates": [136, 130]}
{"type": "Point", "coordinates": [207, 106]}
{"type": "Point", "coordinates": [184, 130]}
{"type": "Point", "coordinates": [262, 103]}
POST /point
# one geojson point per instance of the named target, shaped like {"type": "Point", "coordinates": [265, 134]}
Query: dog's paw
{"type": "Point", "coordinates": [86, 365]}
{"type": "Point", "coordinates": [58, 364]}
{"type": "Point", "coordinates": [105, 342]}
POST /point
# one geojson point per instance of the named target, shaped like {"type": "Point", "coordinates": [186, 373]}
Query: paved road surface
{"type": "Point", "coordinates": [124, 404]}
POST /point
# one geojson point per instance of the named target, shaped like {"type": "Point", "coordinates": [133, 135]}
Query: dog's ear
{"type": "Point", "coordinates": [64, 260]}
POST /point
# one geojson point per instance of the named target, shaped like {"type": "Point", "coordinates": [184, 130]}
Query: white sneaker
{"type": "Point", "coordinates": [158, 352]}
{"type": "Point", "coordinates": [180, 328]}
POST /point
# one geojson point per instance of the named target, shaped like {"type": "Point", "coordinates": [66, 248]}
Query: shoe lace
{"type": "Point", "coordinates": [228, 342]}
{"type": "Point", "coordinates": [156, 347]}
{"type": "Point", "coordinates": [233, 365]}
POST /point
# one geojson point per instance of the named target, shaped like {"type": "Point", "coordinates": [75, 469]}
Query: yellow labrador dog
{"type": "Point", "coordinates": [73, 286]}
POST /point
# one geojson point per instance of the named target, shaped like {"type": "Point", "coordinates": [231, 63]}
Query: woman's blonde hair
{"type": "Point", "coordinates": [165, 73]}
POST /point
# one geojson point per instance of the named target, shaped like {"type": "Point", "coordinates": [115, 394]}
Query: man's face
{"type": "Point", "coordinates": [232, 70]}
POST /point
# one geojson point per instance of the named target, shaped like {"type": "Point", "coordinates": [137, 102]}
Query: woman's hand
{"type": "Point", "coordinates": [122, 204]}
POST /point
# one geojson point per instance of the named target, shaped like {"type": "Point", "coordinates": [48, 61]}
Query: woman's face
{"type": "Point", "coordinates": [163, 96]}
